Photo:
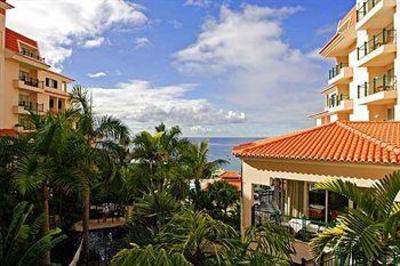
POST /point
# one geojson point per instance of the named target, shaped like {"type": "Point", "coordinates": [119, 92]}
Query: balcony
{"type": "Point", "coordinates": [375, 14]}
{"type": "Point", "coordinates": [29, 83]}
{"type": "Point", "coordinates": [32, 55]}
{"type": "Point", "coordinates": [340, 74]}
{"type": "Point", "coordinates": [25, 108]}
{"type": "Point", "coordinates": [24, 124]}
{"type": "Point", "coordinates": [381, 90]}
{"type": "Point", "coordinates": [340, 104]}
{"type": "Point", "coordinates": [380, 50]}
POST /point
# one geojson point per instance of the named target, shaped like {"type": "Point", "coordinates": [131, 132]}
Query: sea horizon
{"type": "Point", "coordinates": [221, 148]}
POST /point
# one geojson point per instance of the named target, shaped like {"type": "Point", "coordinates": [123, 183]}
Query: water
{"type": "Point", "coordinates": [221, 148]}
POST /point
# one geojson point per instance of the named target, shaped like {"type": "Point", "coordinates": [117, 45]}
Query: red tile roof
{"type": "Point", "coordinates": [229, 175]}
{"type": "Point", "coordinates": [12, 38]}
{"type": "Point", "coordinates": [8, 132]}
{"type": "Point", "coordinates": [232, 178]}
{"type": "Point", "coordinates": [367, 142]}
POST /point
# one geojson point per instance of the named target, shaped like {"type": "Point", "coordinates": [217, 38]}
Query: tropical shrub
{"type": "Point", "coordinates": [370, 233]}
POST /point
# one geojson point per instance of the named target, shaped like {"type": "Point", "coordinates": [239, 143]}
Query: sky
{"type": "Point", "coordinates": [216, 68]}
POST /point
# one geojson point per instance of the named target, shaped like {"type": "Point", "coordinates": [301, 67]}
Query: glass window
{"type": "Point", "coordinates": [51, 83]}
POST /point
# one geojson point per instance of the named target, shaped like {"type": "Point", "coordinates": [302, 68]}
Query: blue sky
{"type": "Point", "coordinates": [216, 68]}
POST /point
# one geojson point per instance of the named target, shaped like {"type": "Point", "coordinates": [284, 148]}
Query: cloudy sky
{"type": "Point", "coordinates": [216, 68]}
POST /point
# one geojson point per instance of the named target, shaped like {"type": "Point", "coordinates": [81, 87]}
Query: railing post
{"type": "Point", "coordinates": [384, 82]}
{"type": "Point", "coordinates": [384, 36]}
{"type": "Point", "coordinates": [374, 37]}
{"type": "Point", "coordinates": [364, 8]}
{"type": "Point", "coordinates": [365, 48]}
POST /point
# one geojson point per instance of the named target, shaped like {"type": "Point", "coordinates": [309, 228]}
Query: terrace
{"type": "Point", "coordinates": [380, 50]}
{"type": "Point", "coordinates": [340, 74]}
{"type": "Point", "coordinates": [375, 14]}
{"type": "Point", "coordinates": [380, 90]}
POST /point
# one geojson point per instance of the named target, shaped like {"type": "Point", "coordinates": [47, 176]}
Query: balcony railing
{"type": "Point", "coordinates": [32, 106]}
{"type": "Point", "coordinates": [377, 84]}
{"type": "Point", "coordinates": [33, 82]}
{"type": "Point", "coordinates": [31, 54]}
{"type": "Point", "coordinates": [334, 71]}
{"type": "Point", "coordinates": [334, 102]}
{"type": "Point", "coordinates": [301, 228]}
{"type": "Point", "coordinates": [365, 7]}
{"type": "Point", "coordinates": [24, 123]}
{"type": "Point", "coordinates": [377, 40]}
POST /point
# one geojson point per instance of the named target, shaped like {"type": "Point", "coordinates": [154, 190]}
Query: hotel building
{"type": "Point", "coordinates": [357, 137]}
{"type": "Point", "coordinates": [26, 81]}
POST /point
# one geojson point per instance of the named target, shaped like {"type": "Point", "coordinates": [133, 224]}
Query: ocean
{"type": "Point", "coordinates": [221, 148]}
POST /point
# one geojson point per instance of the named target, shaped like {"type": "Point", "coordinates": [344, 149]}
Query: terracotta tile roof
{"type": "Point", "coordinates": [232, 178]}
{"type": "Point", "coordinates": [367, 142]}
{"type": "Point", "coordinates": [229, 175]}
{"type": "Point", "coordinates": [12, 38]}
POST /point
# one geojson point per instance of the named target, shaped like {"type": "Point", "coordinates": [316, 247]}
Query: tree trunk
{"type": "Point", "coordinates": [85, 227]}
{"type": "Point", "coordinates": [46, 224]}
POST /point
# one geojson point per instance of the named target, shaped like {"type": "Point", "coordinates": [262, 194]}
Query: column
{"type": "Point", "coordinates": [326, 205]}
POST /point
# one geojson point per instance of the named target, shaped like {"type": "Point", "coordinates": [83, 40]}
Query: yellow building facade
{"type": "Point", "coordinates": [26, 81]}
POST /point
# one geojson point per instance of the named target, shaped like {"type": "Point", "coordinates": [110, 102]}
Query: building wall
{"type": "Point", "coordinates": [365, 74]}
{"type": "Point", "coordinates": [10, 66]}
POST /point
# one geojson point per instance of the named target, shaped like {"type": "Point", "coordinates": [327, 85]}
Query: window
{"type": "Point", "coordinates": [390, 114]}
{"type": "Point", "coordinates": [51, 103]}
{"type": "Point", "coordinates": [64, 86]}
{"type": "Point", "coordinates": [60, 105]}
{"type": "Point", "coordinates": [51, 83]}
{"type": "Point", "coordinates": [24, 75]}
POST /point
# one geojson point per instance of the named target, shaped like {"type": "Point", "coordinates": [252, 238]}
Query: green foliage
{"type": "Point", "coordinates": [370, 233]}
{"type": "Point", "coordinates": [200, 238]}
{"type": "Point", "coordinates": [20, 243]}
{"type": "Point", "coordinates": [148, 256]}
{"type": "Point", "coordinates": [152, 213]}
{"type": "Point", "coordinates": [203, 240]}
{"type": "Point", "coordinates": [12, 149]}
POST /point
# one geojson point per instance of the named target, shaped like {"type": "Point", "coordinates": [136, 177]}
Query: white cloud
{"type": "Point", "coordinates": [200, 3]}
{"type": "Point", "coordinates": [328, 29]}
{"type": "Point", "coordinates": [200, 130]}
{"type": "Point", "coordinates": [97, 75]}
{"type": "Point", "coordinates": [175, 23]}
{"type": "Point", "coordinates": [61, 24]}
{"type": "Point", "coordinates": [142, 105]}
{"type": "Point", "coordinates": [141, 42]}
{"type": "Point", "coordinates": [245, 53]}
{"type": "Point", "coordinates": [96, 42]}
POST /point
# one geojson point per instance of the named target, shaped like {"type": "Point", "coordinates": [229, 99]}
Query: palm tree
{"type": "Point", "coordinates": [12, 149]}
{"type": "Point", "coordinates": [200, 238]}
{"type": "Point", "coordinates": [370, 233]}
{"type": "Point", "coordinates": [152, 213]}
{"type": "Point", "coordinates": [108, 137]}
{"type": "Point", "coordinates": [20, 243]}
{"type": "Point", "coordinates": [158, 159]}
{"type": "Point", "coordinates": [197, 165]}
{"type": "Point", "coordinates": [37, 168]}
{"type": "Point", "coordinates": [265, 244]}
